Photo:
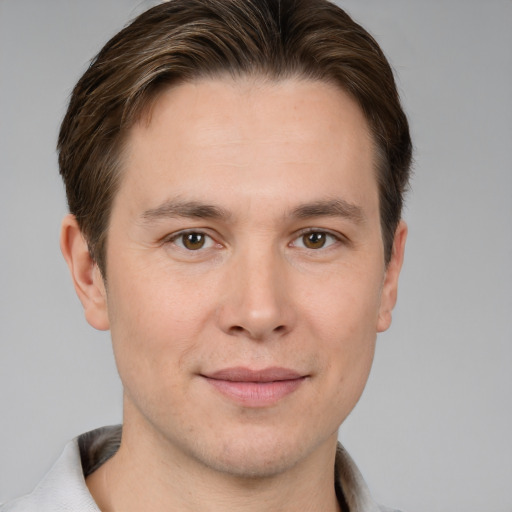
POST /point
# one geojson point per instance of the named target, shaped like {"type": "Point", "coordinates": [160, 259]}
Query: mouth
{"type": "Point", "coordinates": [255, 388]}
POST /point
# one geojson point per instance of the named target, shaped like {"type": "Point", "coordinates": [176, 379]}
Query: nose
{"type": "Point", "coordinates": [257, 297]}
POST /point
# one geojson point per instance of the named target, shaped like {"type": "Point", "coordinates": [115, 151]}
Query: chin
{"type": "Point", "coordinates": [253, 463]}
{"type": "Point", "coordinates": [261, 455]}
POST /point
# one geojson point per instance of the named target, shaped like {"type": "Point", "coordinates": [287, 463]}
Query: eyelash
{"type": "Point", "coordinates": [335, 238]}
{"type": "Point", "coordinates": [172, 239]}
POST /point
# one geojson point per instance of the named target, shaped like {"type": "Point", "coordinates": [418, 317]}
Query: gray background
{"type": "Point", "coordinates": [432, 432]}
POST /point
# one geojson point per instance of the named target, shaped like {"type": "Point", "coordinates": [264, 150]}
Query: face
{"type": "Point", "coordinates": [245, 271]}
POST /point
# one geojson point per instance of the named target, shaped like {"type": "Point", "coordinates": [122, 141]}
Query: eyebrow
{"type": "Point", "coordinates": [330, 208]}
{"type": "Point", "coordinates": [189, 209]}
{"type": "Point", "coordinates": [198, 210]}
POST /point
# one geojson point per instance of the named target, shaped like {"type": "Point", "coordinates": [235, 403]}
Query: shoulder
{"type": "Point", "coordinates": [63, 488]}
{"type": "Point", "coordinates": [354, 488]}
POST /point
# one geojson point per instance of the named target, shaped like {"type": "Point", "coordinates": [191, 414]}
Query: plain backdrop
{"type": "Point", "coordinates": [433, 429]}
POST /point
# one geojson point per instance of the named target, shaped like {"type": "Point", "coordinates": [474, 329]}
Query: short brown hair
{"type": "Point", "coordinates": [183, 40]}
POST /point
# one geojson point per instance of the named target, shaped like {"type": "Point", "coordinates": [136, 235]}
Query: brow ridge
{"type": "Point", "coordinates": [190, 209]}
{"type": "Point", "coordinates": [330, 208]}
{"type": "Point", "coordinates": [198, 210]}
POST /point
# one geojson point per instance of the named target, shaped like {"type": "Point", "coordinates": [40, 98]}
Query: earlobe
{"type": "Point", "coordinates": [390, 285]}
{"type": "Point", "coordinates": [85, 273]}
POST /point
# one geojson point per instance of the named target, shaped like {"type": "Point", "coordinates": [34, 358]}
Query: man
{"type": "Point", "coordinates": [234, 173]}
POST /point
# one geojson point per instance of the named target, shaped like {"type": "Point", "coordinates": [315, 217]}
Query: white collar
{"type": "Point", "coordinates": [64, 488]}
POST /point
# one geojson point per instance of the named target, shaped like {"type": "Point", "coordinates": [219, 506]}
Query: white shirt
{"type": "Point", "coordinates": [63, 489]}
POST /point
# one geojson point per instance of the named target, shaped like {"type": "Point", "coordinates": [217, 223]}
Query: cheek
{"type": "Point", "coordinates": [348, 360]}
{"type": "Point", "coordinates": [156, 299]}
{"type": "Point", "coordinates": [343, 319]}
{"type": "Point", "coordinates": [345, 304]}
{"type": "Point", "coordinates": [155, 325]}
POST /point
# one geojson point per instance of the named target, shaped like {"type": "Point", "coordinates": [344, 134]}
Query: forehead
{"type": "Point", "coordinates": [249, 132]}
{"type": "Point", "coordinates": [245, 107]}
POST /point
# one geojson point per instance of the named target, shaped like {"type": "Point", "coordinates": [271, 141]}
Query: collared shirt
{"type": "Point", "coordinates": [63, 489]}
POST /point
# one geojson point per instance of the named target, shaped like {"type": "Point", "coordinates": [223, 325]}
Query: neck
{"type": "Point", "coordinates": [144, 475]}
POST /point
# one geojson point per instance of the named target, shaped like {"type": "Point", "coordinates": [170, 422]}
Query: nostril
{"type": "Point", "coordinates": [238, 329]}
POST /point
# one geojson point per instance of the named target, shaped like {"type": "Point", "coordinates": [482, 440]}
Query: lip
{"type": "Point", "coordinates": [255, 388]}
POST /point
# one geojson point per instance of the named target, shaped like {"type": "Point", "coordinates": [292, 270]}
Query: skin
{"type": "Point", "coordinates": [262, 292]}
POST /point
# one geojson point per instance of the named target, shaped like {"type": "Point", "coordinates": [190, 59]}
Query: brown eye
{"type": "Point", "coordinates": [193, 241]}
{"type": "Point", "coordinates": [314, 240]}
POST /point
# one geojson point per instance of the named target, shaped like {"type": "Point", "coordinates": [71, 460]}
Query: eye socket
{"type": "Point", "coordinates": [315, 240]}
{"type": "Point", "coordinates": [197, 240]}
{"type": "Point", "coordinates": [193, 240]}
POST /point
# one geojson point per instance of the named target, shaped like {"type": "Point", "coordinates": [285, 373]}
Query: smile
{"type": "Point", "coordinates": [255, 388]}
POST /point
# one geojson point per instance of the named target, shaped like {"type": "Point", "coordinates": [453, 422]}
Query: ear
{"type": "Point", "coordinates": [390, 285]}
{"type": "Point", "coordinates": [87, 279]}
